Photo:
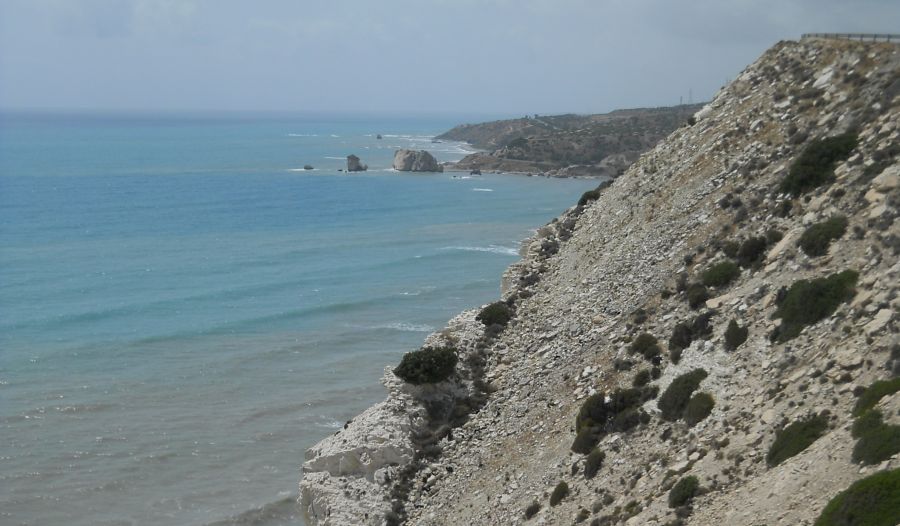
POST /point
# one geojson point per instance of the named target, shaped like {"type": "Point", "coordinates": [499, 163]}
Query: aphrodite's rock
{"type": "Point", "coordinates": [416, 161]}
{"type": "Point", "coordinates": [353, 164]}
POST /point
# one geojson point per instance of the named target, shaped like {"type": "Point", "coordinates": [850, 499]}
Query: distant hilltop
{"type": "Point", "coordinates": [568, 145]}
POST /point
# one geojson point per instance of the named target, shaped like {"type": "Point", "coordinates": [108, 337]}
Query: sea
{"type": "Point", "coordinates": [185, 309]}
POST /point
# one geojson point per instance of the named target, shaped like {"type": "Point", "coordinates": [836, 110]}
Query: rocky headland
{"type": "Point", "coordinates": [711, 338]}
{"type": "Point", "coordinates": [602, 145]}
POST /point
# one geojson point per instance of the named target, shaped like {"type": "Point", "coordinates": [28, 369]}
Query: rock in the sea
{"type": "Point", "coordinates": [379, 137]}
{"type": "Point", "coordinates": [307, 167]}
{"type": "Point", "coordinates": [416, 161]}
{"type": "Point", "coordinates": [353, 164]}
{"type": "Point", "coordinates": [476, 171]}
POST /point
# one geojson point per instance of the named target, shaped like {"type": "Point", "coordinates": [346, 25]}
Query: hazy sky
{"type": "Point", "coordinates": [487, 56]}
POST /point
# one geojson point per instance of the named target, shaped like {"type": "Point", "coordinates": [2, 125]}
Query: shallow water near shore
{"type": "Point", "coordinates": [184, 309]}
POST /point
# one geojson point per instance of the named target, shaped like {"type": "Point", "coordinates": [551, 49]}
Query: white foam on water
{"type": "Point", "coordinates": [492, 249]}
{"type": "Point", "coordinates": [482, 189]}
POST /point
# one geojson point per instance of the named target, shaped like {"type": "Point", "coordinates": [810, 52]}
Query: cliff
{"type": "Point", "coordinates": [775, 212]}
{"type": "Point", "coordinates": [568, 145]}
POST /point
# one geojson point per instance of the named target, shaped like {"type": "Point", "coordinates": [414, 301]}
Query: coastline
{"type": "Point", "coordinates": [593, 279]}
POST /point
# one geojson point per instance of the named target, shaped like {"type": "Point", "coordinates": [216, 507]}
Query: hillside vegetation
{"type": "Point", "coordinates": [676, 348]}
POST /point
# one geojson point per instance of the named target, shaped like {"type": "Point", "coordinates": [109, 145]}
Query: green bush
{"type": "Point", "coordinates": [698, 408]}
{"type": "Point", "coordinates": [593, 463]}
{"type": "Point", "coordinates": [683, 491]}
{"type": "Point", "coordinates": [735, 335]}
{"type": "Point", "coordinates": [497, 313]}
{"type": "Point", "coordinates": [867, 422]}
{"type": "Point", "coordinates": [427, 366]}
{"type": "Point", "coordinates": [752, 252]}
{"type": "Point", "coordinates": [874, 393]}
{"type": "Point", "coordinates": [642, 378]}
{"type": "Point", "coordinates": [681, 338]}
{"type": "Point", "coordinates": [587, 197]}
{"type": "Point", "coordinates": [795, 438]}
{"type": "Point", "coordinates": [675, 398]}
{"type": "Point", "coordinates": [816, 238]}
{"type": "Point", "coordinates": [585, 440]}
{"type": "Point", "coordinates": [815, 165]}
{"type": "Point", "coordinates": [697, 295]}
{"type": "Point", "coordinates": [730, 248]}
{"type": "Point", "coordinates": [721, 274]}
{"type": "Point", "coordinates": [675, 355]}
{"type": "Point", "coordinates": [532, 510]}
{"type": "Point", "coordinates": [597, 416]}
{"type": "Point", "coordinates": [877, 445]}
{"type": "Point", "coordinates": [808, 301]}
{"type": "Point", "coordinates": [560, 492]}
{"type": "Point", "coordinates": [646, 345]}
{"type": "Point", "coordinates": [872, 501]}
{"type": "Point", "coordinates": [773, 236]}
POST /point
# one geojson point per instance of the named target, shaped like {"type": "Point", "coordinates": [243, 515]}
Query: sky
{"type": "Point", "coordinates": [412, 56]}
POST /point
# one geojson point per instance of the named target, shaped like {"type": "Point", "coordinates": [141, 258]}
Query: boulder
{"type": "Point", "coordinates": [416, 161]}
{"type": "Point", "coordinates": [353, 164]}
{"type": "Point", "coordinates": [308, 167]}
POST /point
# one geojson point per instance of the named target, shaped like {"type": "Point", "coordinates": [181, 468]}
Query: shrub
{"type": "Point", "coordinates": [646, 345]}
{"type": "Point", "coordinates": [735, 335]}
{"type": "Point", "coordinates": [532, 510]}
{"type": "Point", "coordinates": [681, 338]}
{"type": "Point", "coordinates": [752, 252]}
{"type": "Point", "coordinates": [773, 236]}
{"type": "Point", "coordinates": [427, 366]}
{"type": "Point", "coordinates": [872, 501]}
{"type": "Point", "coordinates": [675, 398]}
{"type": "Point", "coordinates": [497, 313]}
{"type": "Point", "coordinates": [593, 463]}
{"type": "Point", "coordinates": [878, 444]}
{"type": "Point", "coordinates": [683, 491]}
{"type": "Point", "coordinates": [587, 197]}
{"type": "Point", "coordinates": [585, 440]}
{"type": "Point", "coordinates": [808, 301]}
{"type": "Point", "coordinates": [675, 355]}
{"type": "Point", "coordinates": [642, 378]}
{"type": "Point", "coordinates": [795, 438]}
{"type": "Point", "coordinates": [730, 248]}
{"type": "Point", "coordinates": [874, 393]}
{"type": "Point", "coordinates": [866, 422]}
{"type": "Point", "coordinates": [815, 240]}
{"type": "Point", "coordinates": [560, 492]}
{"type": "Point", "coordinates": [721, 274]}
{"type": "Point", "coordinates": [698, 408]}
{"type": "Point", "coordinates": [697, 295]}
{"type": "Point", "coordinates": [814, 166]}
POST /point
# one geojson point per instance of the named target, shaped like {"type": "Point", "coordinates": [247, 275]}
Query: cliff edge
{"type": "Point", "coordinates": [710, 339]}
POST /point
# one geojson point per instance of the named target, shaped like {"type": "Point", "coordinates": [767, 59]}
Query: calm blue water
{"type": "Point", "coordinates": [183, 312]}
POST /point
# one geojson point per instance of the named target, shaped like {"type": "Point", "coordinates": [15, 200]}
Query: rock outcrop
{"type": "Point", "coordinates": [354, 164]}
{"type": "Point", "coordinates": [620, 264]}
{"type": "Point", "coordinates": [416, 161]}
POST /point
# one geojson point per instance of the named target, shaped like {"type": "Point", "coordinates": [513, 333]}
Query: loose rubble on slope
{"type": "Point", "coordinates": [622, 263]}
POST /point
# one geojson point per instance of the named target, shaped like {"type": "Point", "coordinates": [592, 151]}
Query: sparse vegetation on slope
{"type": "Point", "coordinates": [808, 301]}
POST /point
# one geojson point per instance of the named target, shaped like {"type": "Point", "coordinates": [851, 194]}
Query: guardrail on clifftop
{"type": "Point", "coordinates": [865, 37]}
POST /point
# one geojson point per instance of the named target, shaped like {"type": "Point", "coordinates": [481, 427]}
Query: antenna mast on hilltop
{"type": "Point", "coordinates": [690, 95]}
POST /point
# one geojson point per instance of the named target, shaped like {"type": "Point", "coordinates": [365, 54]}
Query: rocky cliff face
{"type": "Point", "coordinates": [416, 161]}
{"type": "Point", "coordinates": [631, 259]}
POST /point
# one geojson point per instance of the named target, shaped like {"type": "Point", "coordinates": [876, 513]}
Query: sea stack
{"type": "Point", "coordinates": [353, 164]}
{"type": "Point", "coordinates": [416, 161]}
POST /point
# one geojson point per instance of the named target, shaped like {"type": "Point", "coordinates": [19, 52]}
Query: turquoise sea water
{"type": "Point", "coordinates": [183, 311]}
